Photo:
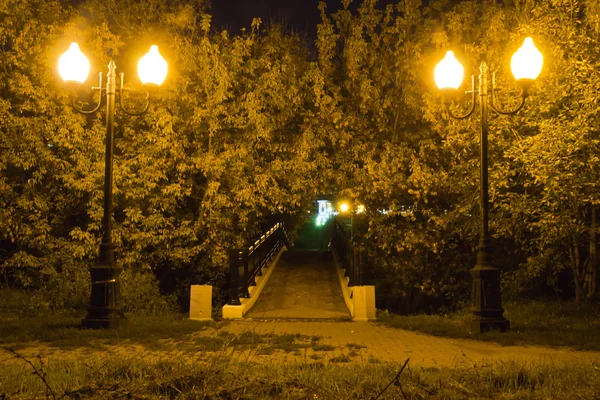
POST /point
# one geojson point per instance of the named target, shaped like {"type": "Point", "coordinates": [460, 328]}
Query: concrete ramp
{"type": "Point", "coordinates": [303, 285]}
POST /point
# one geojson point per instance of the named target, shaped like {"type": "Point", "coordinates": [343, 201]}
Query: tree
{"type": "Point", "coordinates": [220, 152]}
{"type": "Point", "coordinates": [392, 145]}
{"type": "Point", "coordinates": [40, 141]}
{"type": "Point", "coordinates": [552, 163]}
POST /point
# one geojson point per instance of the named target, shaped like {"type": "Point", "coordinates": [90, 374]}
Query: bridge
{"type": "Point", "coordinates": [318, 277]}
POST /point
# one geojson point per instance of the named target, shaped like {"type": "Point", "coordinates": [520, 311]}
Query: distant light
{"type": "Point", "coordinates": [344, 207]}
{"type": "Point", "coordinates": [152, 67]}
{"type": "Point", "coordinates": [73, 65]}
{"type": "Point", "coordinates": [360, 209]}
{"type": "Point", "coordinates": [320, 220]}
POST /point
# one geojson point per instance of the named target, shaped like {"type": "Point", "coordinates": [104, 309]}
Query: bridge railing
{"type": "Point", "coordinates": [246, 264]}
{"type": "Point", "coordinates": [351, 253]}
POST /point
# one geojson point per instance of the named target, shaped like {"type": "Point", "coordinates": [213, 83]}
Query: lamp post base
{"type": "Point", "coordinates": [486, 305]}
{"type": "Point", "coordinates": [482, 325]}
{"type": "Point", "coordinates": [104, 311]}
{"type": "Point", "coordinates": [105, 322]}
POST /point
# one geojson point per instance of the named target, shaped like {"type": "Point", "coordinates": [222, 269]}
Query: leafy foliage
{"type": "Point", "coordinates": [394, 148]}
{"type": "Point", "coordinates": [221, 151]}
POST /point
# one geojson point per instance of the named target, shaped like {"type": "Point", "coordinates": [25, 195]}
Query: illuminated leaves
{"type": "Point", "coordinates": [221, 150]}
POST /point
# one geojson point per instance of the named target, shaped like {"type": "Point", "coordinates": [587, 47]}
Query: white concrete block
{"type": "Point", "coordinates": [364, 303]}
{"type": "Point", "coordinates": [233, 312]}
{"type": "Point", "coordinates": [201, 302]}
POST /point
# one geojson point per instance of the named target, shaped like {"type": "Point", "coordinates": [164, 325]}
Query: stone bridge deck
{"type": "Point", "coordinates": [303, 285]}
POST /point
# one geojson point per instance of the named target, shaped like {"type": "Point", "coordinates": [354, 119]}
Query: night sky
{"type": "Point", "coordinates": [302, 16]}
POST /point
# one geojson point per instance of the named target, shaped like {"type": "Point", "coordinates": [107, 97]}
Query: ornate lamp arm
{"type": "Point", "coordinates": [470, 112]}
{"type": "Point", "coordinates": [123, 108]}
{"type": "Point", "coordinates": [523, 94]}
{"type": "Point", "coordinates": [78, 105]}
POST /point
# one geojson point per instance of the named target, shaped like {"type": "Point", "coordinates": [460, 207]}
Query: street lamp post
{"type": "Point", "coordinates": [356, 251]}
{"type": "Point", "coordinates": [526, 64]}
{"type": "Point", "coordinates": [343, 209]}
{"type": "Point", "coordinates": [104, 310]}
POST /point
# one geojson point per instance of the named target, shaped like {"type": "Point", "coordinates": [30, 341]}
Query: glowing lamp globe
{"type": "Point", "coordinates": [152, 67]}
{"type": "Point", "coordinates": [344, 207]}
{"type": "Point", "coordinates": [73, 65]}
{"type": "Point", "coordinates": [449, 72]}
{"type": "Point", "coordinates": [526, 63]}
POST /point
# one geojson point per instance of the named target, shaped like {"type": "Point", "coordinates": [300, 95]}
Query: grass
{"type": "Point", "coordinates": [342, 358]}
{"type": "Point", "coordinates": [323, 347]}
{"type": "Point", "coordinates": [64, 330]}
{"type": "Point", "coordinates": [288, 343]}
{"type": "Point", "coordinates": [355, 346]}
{"type": "Point", "coordinates": [161, 336]}
{"type": "Point", "coordinates": [220, 378]}
{"type": "Point", "coordinates": [538, 323]}
{"type": "Point", "coordinates": [212, 370]}
{"type": "Point", "coordinates": [372, 359]}
{"type": "Point", "coordinates": [217, 365]}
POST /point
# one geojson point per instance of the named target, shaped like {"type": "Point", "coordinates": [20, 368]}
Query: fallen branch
{"type": "Point", "coordinates": [393, 380]}
{"type": "Point", "coordinates": [37, 372]}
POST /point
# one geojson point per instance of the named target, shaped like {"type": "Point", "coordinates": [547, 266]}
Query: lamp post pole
{"type": "Point", "coordinates": [486, 304]}
{"type": "Point", "coordinates": [104, 310]}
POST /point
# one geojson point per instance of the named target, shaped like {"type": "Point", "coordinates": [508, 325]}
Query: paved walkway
{"type": "Point", "coordinates": [303, 285]}
{"type": "Point", "coordinates": [376, 342]}
{"type": "Point", "coordinates": [354, 342]}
